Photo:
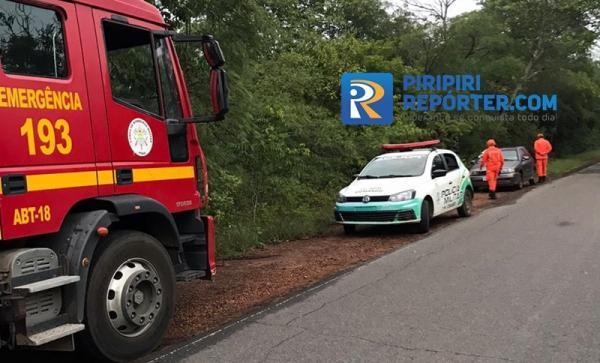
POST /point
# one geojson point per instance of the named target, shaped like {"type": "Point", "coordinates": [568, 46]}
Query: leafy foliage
{"type": "Point", "coordinates": [281, 156]}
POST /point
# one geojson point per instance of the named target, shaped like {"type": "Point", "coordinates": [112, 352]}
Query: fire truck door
{"type": "Point", "coordinates": [141, 92]}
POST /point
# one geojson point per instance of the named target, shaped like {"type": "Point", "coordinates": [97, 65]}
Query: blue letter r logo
{"type": "Point", "coordinates": [367, 98]}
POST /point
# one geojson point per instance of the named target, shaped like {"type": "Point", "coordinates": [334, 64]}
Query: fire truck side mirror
{"type": "Point", "coordinates": [212, 52]}
{"type": "Point", "coordinates": [219, 92]}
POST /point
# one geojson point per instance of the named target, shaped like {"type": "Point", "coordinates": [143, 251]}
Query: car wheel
{"type": "Point", "coordinates": [466, 208]}
{"type": "Point", "coordinates": [426, 212]}
{"type": "Point", "coordinates": [533, 180]}
{"type": "Point", "coordinates": [349, 228]}
{"type": "Point", "coordinates": [519, 184]}
{"type": "Point", "coordinates": [130, 297]}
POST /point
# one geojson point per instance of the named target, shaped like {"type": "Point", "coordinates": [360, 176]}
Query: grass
{"type": "Point", "coordinates": [567, 164]}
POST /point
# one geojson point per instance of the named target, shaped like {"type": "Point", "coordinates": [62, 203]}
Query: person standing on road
{"type": "Point", "coordinates": [493, 160]}
{"type": "Point", "coordinates": [542, 148]}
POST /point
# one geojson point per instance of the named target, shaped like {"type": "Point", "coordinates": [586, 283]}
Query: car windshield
{"type": "Point", "coordinates": [397, 166]}
{"type": "Point", "coordinates": [510, 155]}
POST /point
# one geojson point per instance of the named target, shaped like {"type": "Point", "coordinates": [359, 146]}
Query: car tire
{"type": "Point", "coordinates": [533, 180]}
{"type": "Point", "coordinates": [519, 185]}
{"type": "Point", "coordinates": [349, 228]}
{"type": "Point", "coordinates": [426, 212]}
{"type": "Point", "coordinates": [128, 265]}
{"type": "Point", "coordinates": [466, 209]}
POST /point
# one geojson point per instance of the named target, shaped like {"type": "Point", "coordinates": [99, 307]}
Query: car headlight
{"type": "Point", "coordinates": [341, 198]}
{"type": "Point", "coordinates": [508, 171]}
{"type": "Point", "coordinates": [401, 197]}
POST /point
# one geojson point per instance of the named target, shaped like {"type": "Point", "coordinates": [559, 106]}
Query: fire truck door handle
{"type": "Point", "coordinates": [124, 176]}
{"type": "Point", "coordinates": [14, 184]}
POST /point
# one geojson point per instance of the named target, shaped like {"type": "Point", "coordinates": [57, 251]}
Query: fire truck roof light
{"type": "Point", "coordinates": [410, 146]}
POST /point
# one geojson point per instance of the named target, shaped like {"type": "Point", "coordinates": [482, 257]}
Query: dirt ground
{"type": "Point", "coordinates": [270, 274]}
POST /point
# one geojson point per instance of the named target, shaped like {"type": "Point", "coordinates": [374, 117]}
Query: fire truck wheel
{"type": "Point", "coordinates": [130, 296]}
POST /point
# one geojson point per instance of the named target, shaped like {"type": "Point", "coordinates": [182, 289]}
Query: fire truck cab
{"type": "Point", "coordinates": [102, 175]}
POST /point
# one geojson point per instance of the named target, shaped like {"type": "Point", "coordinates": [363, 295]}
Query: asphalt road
{"type": "Point", "coordinates": [516, 283]}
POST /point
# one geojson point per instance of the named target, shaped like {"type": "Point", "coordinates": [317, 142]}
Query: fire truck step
{"type": "Point", "coordinates": [186, 238]}
{"type": "Point", "coordinates": [190, 275]}
{"type": "Point", "coordinates": [49, 335]}
{"type": "Point", "coordinates": [192, 240]}
{"type": "Point", "coordinates": [46, 284]}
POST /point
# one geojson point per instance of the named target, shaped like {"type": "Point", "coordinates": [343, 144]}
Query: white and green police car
{"type": "Point", "coordinates": [411, 183]}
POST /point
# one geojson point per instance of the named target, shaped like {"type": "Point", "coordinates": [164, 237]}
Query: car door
{"type": "Point", "coordinates": [440, 185]}
{"type": "Point", "coordinates": [452, 194]}
{"type": "Point", "coordinates": [527, 164]}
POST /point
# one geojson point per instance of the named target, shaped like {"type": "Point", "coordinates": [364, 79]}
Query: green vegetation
{"type": "Point", "coordinates": [567, 164]}
{"type": "Point", "coordinates": [278, 160]}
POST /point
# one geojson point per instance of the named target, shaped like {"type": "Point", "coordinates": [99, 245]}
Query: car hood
{"type": "Point", "coordinates": [378, 187]}
{"type": "Point", "coordinates": [507, 164]}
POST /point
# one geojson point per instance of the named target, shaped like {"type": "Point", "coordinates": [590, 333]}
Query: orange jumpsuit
{"type": "Point", "coordinates": [493, 160]}
{"type": "Point", "coordinates": [542, 148]}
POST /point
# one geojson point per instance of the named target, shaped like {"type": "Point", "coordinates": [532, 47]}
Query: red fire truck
{"type": "Point", "coordinates": [102, 175]}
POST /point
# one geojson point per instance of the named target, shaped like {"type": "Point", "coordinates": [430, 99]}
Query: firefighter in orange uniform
{"type": "Point", "coordinates": [493, 160]}
{"type": "Point", "coordinates": [542, 148]}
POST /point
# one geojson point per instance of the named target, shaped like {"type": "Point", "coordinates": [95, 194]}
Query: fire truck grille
{"type": "Point", "coordinates": [393, 216]}
{"type": "Point", "coordinates": [35, 265]}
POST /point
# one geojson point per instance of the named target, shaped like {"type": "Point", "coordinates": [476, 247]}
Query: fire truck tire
{"type": "Point", "coordinates": [130, 297]}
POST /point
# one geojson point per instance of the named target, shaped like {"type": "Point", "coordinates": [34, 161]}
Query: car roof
{"type": "Point", "coordinates": [413, 152]}
{"type": "Point", "coordinates": [139, 9]}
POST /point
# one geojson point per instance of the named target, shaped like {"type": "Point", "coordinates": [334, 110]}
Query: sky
{"type": "Point", "coordinates": [459, 7]}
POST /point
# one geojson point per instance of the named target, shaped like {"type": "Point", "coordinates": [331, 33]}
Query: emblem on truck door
{"type": "Point", "coordinates": [140, 137]}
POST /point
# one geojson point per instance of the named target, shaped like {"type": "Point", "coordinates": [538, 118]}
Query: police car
{"type": "Point", "coordinates": [411, 183]}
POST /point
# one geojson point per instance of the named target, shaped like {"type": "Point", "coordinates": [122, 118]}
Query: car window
{"type": "Point", "coordinates": [451, 162]}
{"type": "Point", "coordinates": [438, 163]}
{"type": "Point", "coordinates": [32, 41]}
{"type": "Point", "coordinates": [398, 165]}
{"type": "Point", "coordinates": [510, 154]}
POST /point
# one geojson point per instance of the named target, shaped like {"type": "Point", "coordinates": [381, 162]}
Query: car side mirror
{"type": "Point", "coordinates": [525, 157]}
{"type": "Point", "coordinates": [438, 173]}
{"type": "Point", "coordinates": [212, 52]}
{"type": "Point", "coordinates": [219, 88]}
{"type": "Point", "coordinates": [219, 92]}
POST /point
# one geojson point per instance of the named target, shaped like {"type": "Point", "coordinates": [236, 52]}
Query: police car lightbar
{"type": "Point", "coordinates": [410, 146]}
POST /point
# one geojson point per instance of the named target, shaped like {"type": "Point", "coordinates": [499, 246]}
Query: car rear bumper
{"type": "Point", "coordinates": [379, 212]}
